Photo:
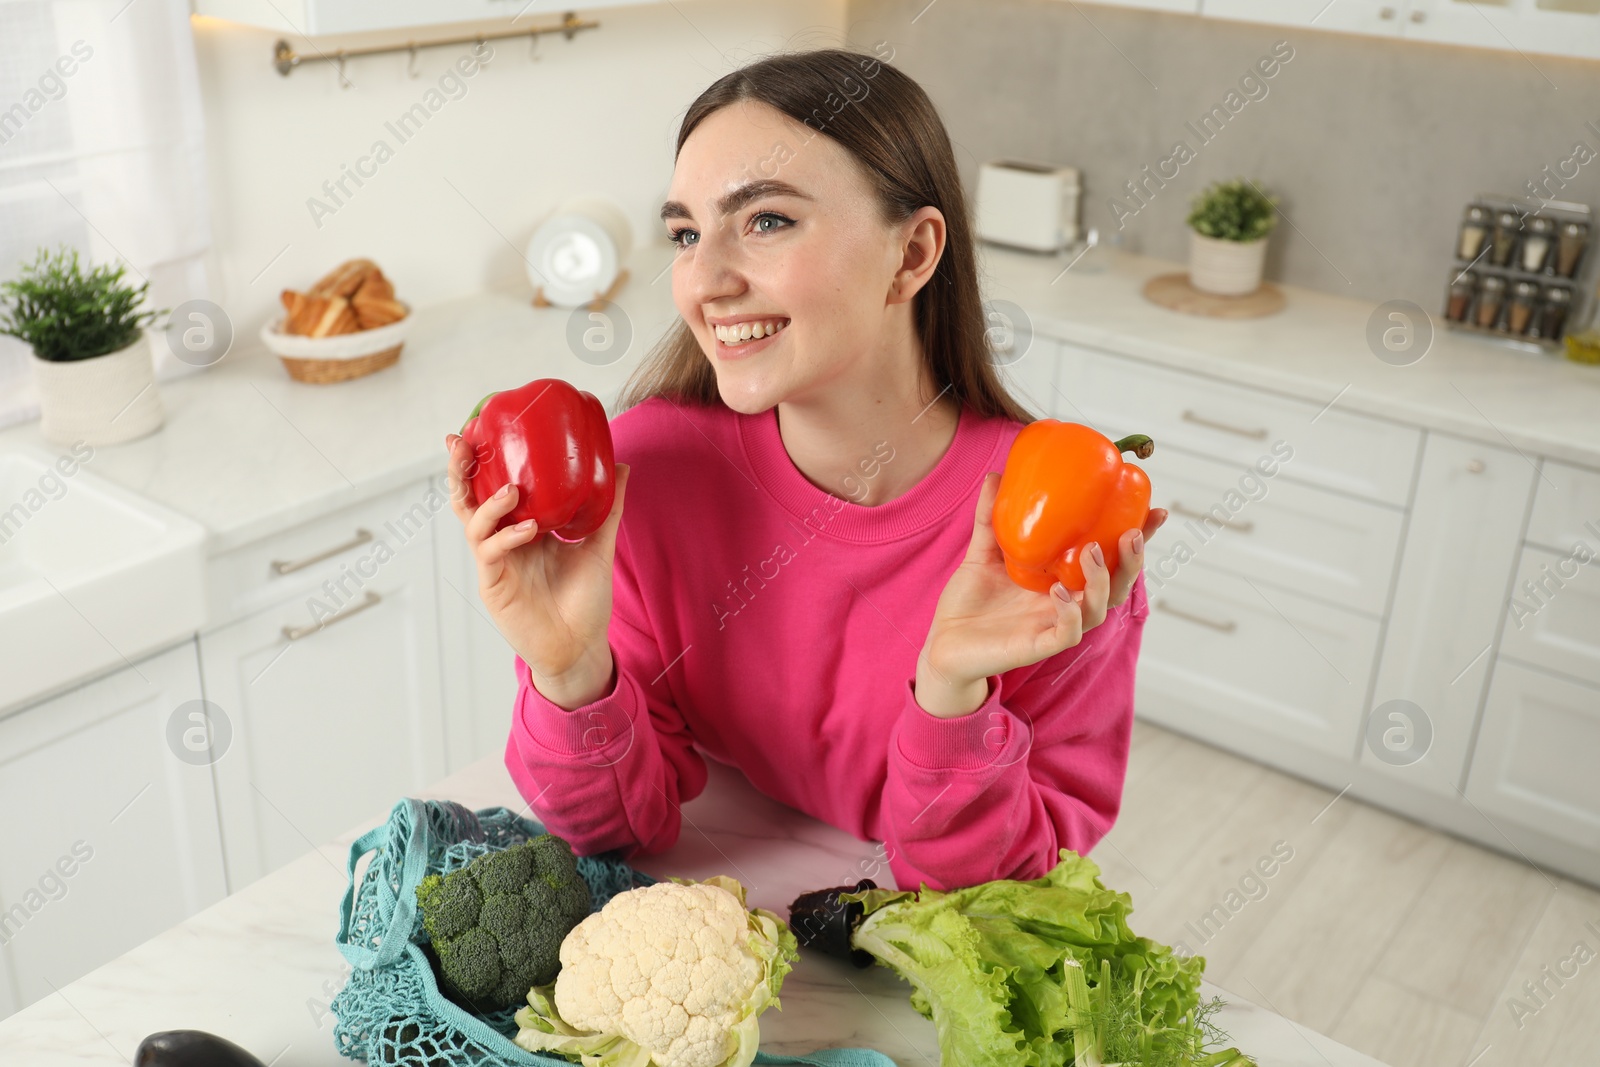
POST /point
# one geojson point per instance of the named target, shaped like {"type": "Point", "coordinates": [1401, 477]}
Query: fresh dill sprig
{"type": "Point", "coordinates": [1125, 1036]}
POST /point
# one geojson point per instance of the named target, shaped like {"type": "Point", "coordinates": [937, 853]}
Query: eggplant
{"type": "Point", "coordinates": [191, 1048]}
{"type": "Point", "coordinates": [821, 921]}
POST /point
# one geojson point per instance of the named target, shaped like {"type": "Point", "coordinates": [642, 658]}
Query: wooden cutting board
{"type": "Point", "coordinates": [1174, 291]}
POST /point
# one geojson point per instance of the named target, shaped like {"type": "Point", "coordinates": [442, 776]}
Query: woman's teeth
{"type": "Point", "coordinates": [749, 331]}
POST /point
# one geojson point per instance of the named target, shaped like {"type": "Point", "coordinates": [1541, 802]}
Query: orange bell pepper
{"type": "Point", "coordinates": [1063, 486]}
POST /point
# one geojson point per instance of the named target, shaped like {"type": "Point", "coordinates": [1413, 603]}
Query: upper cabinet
{"type": "Point", "coordinates": [312, 18]}
{"type": "Point", "coordinates": [1381, 17]}
{"type": "Point", "coordinates": [1555, 27]}
{"type": "Point", "coordinates": [1551, 27]}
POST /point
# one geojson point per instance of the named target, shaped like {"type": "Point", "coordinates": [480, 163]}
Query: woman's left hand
{"type": "Point", "coordinates": [986, 624]}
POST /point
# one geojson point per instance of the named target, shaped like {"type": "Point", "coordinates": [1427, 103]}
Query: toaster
{"type": "Point", "coordinates": [1027, 205]}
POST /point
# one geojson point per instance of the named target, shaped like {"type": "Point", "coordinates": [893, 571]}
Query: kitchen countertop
{"type": "Point", "coordinates": [248, 452]}
{"type": "Point", "coordinates": [259, 967]}
{"type": "Point", "coordinates": [1316, 349]}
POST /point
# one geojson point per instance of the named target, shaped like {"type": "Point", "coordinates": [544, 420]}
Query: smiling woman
{"type": "Point", "coordinates": [875, 667]}
{"type": "Point", "coordinates": [800, 177]}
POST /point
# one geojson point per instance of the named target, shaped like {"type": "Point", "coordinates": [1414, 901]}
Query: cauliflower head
{"type": "Point", "coordinates": [670, 975]}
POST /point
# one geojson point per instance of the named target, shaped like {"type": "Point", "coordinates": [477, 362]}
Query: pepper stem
{"type": "Point", "coordinates": [477, 410]}
{"type": "Point", "coordinates": [1138, 444]}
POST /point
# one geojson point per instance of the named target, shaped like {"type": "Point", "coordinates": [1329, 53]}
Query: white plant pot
{"type": "Point", "coordinates": [99, 401]}
{"type": "Point", "coordinates": [1225, 268]}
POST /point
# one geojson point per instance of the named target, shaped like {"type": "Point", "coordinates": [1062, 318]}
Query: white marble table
{"type": "Point", "coordinates": [260, 966]}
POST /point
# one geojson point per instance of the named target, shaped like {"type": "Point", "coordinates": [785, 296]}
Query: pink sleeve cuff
{"type": "Point", "coordinates": [989, 736]}
{"type": "Point", "coordinates": [585, 730]}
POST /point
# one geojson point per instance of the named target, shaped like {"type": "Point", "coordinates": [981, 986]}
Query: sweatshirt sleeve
{"type": "Point", "coordinates": [1037, 768]}
{"type": "Point", "coordinates": [612, 773]}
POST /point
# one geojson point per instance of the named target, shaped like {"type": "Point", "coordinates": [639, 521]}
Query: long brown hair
{"type": "Point", "coordinates": [886, 121]}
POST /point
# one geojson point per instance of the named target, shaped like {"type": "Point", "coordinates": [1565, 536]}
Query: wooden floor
{"type": "Point", "coordinates": [1402, 942]}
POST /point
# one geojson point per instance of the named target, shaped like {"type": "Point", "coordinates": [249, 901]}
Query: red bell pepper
{"type": "Point", "coordinates": [1063, 486]}
{"type": "Point", "coordinates": [554, 443]}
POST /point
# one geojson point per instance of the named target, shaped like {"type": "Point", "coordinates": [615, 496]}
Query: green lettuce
{"type": "Point", "coordinates": [1023, 974]}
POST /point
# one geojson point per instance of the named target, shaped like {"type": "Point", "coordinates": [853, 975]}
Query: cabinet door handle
{"type": "Point", "coordinates": [1419, 16]}
{"type": "Point", "coordinates": [295, 633]}
{"type": "Point", "coordinates": [1227, 626]}
{"type": "Point", "coordinates": [1190, 513]}
{"type": "Point", "coordinates": [1386, 13]}
{"type": "Point", "coordinates": [1475, 466]}
{"type": "Point", "coordinates": [1257, 434]}
{"type": "Point", "coordinates": [286, 566]}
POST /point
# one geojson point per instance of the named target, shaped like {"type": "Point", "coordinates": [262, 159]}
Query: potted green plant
{"type": "Point", "coordinates": [91, 355]}
{"type": "Point", "coordinates": [1229, 223]}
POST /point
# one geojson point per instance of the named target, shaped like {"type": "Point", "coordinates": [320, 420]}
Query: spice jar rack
{"type": "Point", "coordinates": [1520, 275]}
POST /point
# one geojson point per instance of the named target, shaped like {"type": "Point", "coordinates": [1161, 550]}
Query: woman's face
{"type": "Point", "coordinates": [807, 254]}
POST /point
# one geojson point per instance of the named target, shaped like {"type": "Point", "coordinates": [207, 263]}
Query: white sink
{"type": "Point", "coordinates": [91, 575]}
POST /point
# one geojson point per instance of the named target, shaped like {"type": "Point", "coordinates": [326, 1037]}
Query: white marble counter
{"type": "Point", "coordinates": [248, 452]}
{"type": "Point", "coordinates": [260, 966]}
{"type": "Point", "coordinates": [1316, 349]}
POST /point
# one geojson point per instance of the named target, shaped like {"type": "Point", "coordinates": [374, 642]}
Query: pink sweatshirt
{"type": "Point", "coordinates": [771, 625]}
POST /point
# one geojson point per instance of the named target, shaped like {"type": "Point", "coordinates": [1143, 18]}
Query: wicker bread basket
{"type": "Point", "coordinates": [338, 357]}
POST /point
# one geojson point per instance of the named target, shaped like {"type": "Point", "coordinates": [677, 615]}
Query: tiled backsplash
{"type": "Point", "coordinates": [1374, 145]}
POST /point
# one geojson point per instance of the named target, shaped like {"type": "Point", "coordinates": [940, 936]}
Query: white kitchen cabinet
{"type": "Point", "coordinates": [1376, 566]}
{"type": "Point", "coordinates": [1264, 621]}
{"type": "Point", "coordinates": [1566, 508]}
{"type": "Point", "coordinates": [1558, 27]}
{"type": "Point", "coordinates": [1030, 375]}
{"type": "Point", "coordinates": [1534, 761]}
{"type": "Point", "coordinates": [1378, 17]}
{"type": "Point", "coordinates": [1552, 27]}
{"type": "Point", "coordinates": [479, 676]}
{"type": "Point", "coordinates": [1466, 523]}
{"type": "Point", "coordinates": [333, 692]}
{"type": "Point", "coordinates": [1333, 449]}
{"type": "Point", "coordinates": [1553, 614]}
{"type": "Point", "coordinates": [295, 563]}
{"type": "Point", "coordinates": [1319, 544]}
{"type": "Point", "coordinates": [1231, 661]}
{"type": "Point", "coordinates": [110, 838]}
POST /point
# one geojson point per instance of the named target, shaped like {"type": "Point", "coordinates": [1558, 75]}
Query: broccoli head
{"type": "Point", "coordinates": [497, 924]}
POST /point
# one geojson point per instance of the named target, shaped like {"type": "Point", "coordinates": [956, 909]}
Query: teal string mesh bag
{"type": "Point", "coordinates": [390, 1010]}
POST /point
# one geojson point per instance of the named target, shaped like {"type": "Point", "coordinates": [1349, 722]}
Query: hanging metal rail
{"type": "Point", "coordinates": [285, 58]}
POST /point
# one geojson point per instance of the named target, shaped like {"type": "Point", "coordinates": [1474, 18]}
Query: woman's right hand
{"type": "Point", "coordinates": [550, 599]}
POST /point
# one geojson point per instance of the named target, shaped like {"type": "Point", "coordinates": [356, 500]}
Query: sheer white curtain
{"type": "Point", "coordinates": [101, 148]}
